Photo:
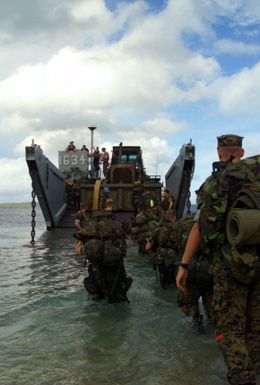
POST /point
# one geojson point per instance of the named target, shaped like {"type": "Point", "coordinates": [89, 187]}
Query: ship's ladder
{"type": "Point", "coordinates": [184, 197]}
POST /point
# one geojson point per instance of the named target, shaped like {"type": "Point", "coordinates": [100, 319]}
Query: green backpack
{"type": "Point", "coordinates": [105, 243]}
{"type": "Point", "coordinates": [239, 187]}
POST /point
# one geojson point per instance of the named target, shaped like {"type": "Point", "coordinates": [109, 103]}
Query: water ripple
{"type": "Point", "coordinates": [51, 333]}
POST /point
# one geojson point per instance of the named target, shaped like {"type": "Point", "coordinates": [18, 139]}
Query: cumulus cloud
{"type": "Point", "coordinates": [151, 54]}
{"type": "Point", "coordinates": [239, 12]}
{"type": "Point", "coordinates": [18, 187]}
{"type": "Point", "coordinates": [16, 122]}
{"type": "Point", "coordinates": [240, 92]}
{"type": "Point", "coordinates": [163, 125]}
{"type": "Point", "coordinates": [231, 47]}
{"type": "Point", "coordinates": [251, 143]}
{"type": "Point", "coordinates": [144, 75]}
{"type": "Point", "coordinates": [127, 73]}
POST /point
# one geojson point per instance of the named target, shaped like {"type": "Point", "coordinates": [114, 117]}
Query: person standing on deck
{"type": "Point", "coordinates": [105, 161]}
{"type": "Point", "coordinates": [168, 201]}
{"type": "Point", "coordinates": [96, 162]}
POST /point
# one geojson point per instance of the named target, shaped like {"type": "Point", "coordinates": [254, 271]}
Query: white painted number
{"type": "Point", "coordinates": [66, 160]}
{"type": "Point", "coordinates": [74, 160]}
{"type": "Point", "coordinates": [82, 159]}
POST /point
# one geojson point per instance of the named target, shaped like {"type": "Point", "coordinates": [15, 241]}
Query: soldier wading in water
{"type": "Point", "coordinates": [104, 246]}
{"type": "Point", "coordinates": [234, 267]}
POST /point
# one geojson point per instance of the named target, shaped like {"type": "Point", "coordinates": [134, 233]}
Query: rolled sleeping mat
{"type": "Point", "coordinates": [243, 227]}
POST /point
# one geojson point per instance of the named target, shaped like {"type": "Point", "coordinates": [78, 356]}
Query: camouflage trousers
{"type": "Point", "coordinates": [164, 263]}
{"type": "Point", "coordinates": [111, 283]}
{"type": "Point", "coordinates": [236, 314]}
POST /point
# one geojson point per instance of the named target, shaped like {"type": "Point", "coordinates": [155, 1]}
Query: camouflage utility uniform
{"type": "Point", "coordinates": [163, 250]}
{"type": "Point", "coordinates": [145, 223]}
{"type": "Point", "coordinates": [236, 305]}
{"type": "Point", "coordinates": [168, 243]}
{"type": "Point", "coordinates": [199, 282]}
{"type": "Point", "coordinates": [105, 248]}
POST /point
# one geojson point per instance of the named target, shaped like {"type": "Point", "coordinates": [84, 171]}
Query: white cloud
{"type": "Point", "coordinates": [132, 72]}
{"type": "Point", "coordinates": [241, 12]}
{"type": "Point", "coordinates": [232, 47]}
{"type": "Point", "coordinates": [16, 122]}
{"type": "Point", "coordinates": [50, 141]}
{"type": "Point", "coordinates": [163, 125]}
{"type": "Point", "coordinates": [95, 10]}
{"type": "Point", "coordinates": [240, 93]}
{"type": "Point", "coordinates": [251, 143]}
{"type": "Point", "coordinates": [18, 187]}
{"type": "Point", "coordinates": [5, 38]}
{"type": "Point", "coordinates": [101, 78]}
{"type": "Point", "coordinates": [140, 71]}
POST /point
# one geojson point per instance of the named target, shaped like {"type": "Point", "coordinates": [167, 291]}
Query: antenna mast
{"type": "Point", "coordinates": [156, 165]}
{"type": "Point", "coordinates": [91, 128]}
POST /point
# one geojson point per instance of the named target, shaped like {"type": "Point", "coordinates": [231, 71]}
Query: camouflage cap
{"type": "Point", "coordinates": [230, 140]}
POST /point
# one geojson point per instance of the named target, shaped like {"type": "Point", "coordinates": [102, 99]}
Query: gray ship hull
{"type": "Point", "coordinates": [178, 179]}
{"type": "Point", "coordinates": [48, 184]}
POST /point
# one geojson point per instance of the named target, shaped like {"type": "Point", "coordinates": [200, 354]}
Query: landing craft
{"type": "Point", "coordinates": [126, 180]}
{"type": "Point", "coordinates": [178, 179]}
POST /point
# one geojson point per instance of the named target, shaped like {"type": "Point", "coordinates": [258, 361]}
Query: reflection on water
{"type": "Point", "coordinates": [52, 334]}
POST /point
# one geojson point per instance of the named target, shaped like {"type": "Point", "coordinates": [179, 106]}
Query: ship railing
{"type": "Point", "coordinates": [153, 178]}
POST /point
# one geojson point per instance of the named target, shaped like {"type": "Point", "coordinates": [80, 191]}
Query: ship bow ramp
{"type": "Point", "coordinates": [48, 184]}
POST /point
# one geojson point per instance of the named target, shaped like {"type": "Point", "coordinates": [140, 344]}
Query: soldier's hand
{"type": "Point", "coordinates": [181, 279]}
{"type": "Point", "coordinates": [148, 246]}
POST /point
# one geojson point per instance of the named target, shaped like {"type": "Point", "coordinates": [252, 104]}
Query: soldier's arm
{"type": "Point", "coordinates": [170, 201]}
{"type": "Point", "coordinates": [192, 246]}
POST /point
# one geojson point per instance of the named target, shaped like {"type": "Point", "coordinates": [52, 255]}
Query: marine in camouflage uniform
{"type": "Point", "coordinates": [104, 247]}
{"type": "Point", "coordinates": [199, 284]}
{"type": "Point", "coordinates": [167, 245]}
{"type": "Point", "coordinates": [81, 215]}
{"type": "Point", "coordinates": [146, 221]}
{"type": "Point", "coordinates": [162, 248]}
{"type": "Point", "coordinates": [236, 306]}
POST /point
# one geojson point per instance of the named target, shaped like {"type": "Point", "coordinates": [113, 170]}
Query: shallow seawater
{"type": "Point", "coordinates": [52, 334]}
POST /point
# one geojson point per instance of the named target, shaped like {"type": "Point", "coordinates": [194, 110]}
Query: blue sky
{"type": "Point", "coordinates": [150, 73]}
